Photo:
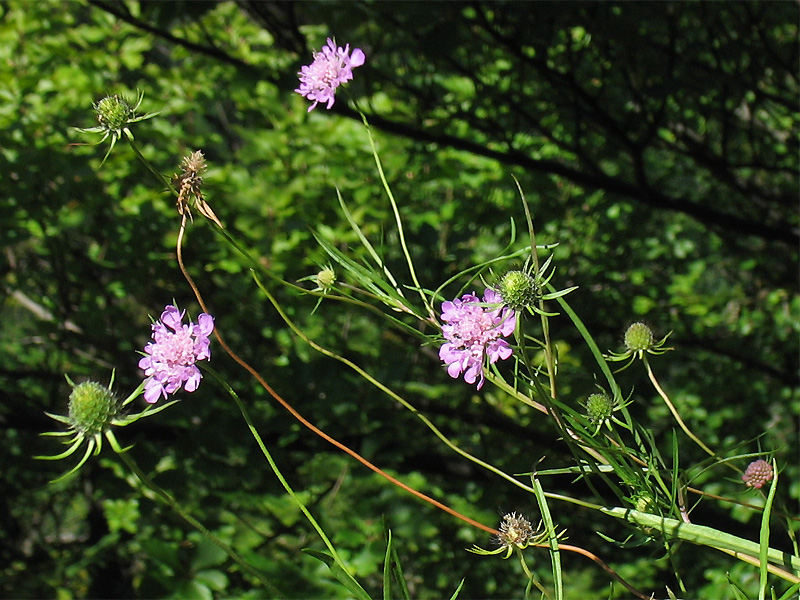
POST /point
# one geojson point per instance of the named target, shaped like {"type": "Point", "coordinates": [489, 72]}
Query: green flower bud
{"type": "Point", "coordinates": [92, 407]}
{"type": "Point", "coordinates": [639, 338]}
{"type": "Point", "coordinates": [114, 112]}
{"type": "Point", "coordinates": [326, 278]}
{"type": "Point", "coordinates": [599, 408]}
{"type": "Point", "coordinates": [643, 502]}
{"type": "Point", "coordinates": [518, 289]}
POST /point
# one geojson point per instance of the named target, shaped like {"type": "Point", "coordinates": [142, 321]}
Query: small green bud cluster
{"type": "Point", "coordinates": [599, 407]}
{"type": "Point", "coordinates": [326, 278]}
{"type": "Point", "coordinates": [519, 290]}
{"type": "Point", "coordinates": [92, 407]}
{"type": "Point", "coordinates": [114, 112]}
{"type": "Point", "coordinates": [639, 338]}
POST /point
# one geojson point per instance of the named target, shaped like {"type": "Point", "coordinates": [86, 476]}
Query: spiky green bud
{"type": "Point", "coordinates": [114, 112]}
{"type": "Point", "coordinates": [599, 408]}
{"type": "Point", "coordinates": [519, 290]}
{"type": "Point", "coordinates": [326, 278]}
{"type": "Point", "coordinates": [639, 338]}
{"type": "Point", "coordinates": [92, 407]}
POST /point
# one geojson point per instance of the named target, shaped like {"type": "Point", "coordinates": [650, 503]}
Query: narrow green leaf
{"type": "Point", "coordinates": [738, 592]}
{"type": "Point", "coordinates": [791, 593]}
{"type": "Point", "coordinates": [552, 538]}
{"type": "Point", "coordinates": [59, 418]}
{"type": "Point", "coordinates": [371, 280]}
{"type": "Point", "coordinates": [763, 537]}
{"type": "Point", "coordinates": [582, 468]}
{"type": "Point", "coordinates": [340, 574]}
{"type": "Point", "coordinates": [587, 337]}
{"type": "Point", "coordinates": [458, 590]}
{"type": "Point", "coordinates": [387, 567]}
{"type": "Point", "coordinates": [364, 241]}
{"type": "Point", "coordinates": [392, 569]}
{"type": "Point", "coordinates": [671, 594]}
{"type": "Point", "coordinates": [559, 293]}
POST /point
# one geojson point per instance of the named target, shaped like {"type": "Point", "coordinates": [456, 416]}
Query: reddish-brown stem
{"type": "Point", "coordinates": [300, 417]}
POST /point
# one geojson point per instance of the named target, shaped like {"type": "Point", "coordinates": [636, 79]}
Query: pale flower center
{"type": "Point", "coordinates": [324, 71]}
{"type": "Point", "coordinates": [177, 349]}
{"type": "Point", "coordinates": [475, 330]}
{"type": "Point", "coordinates": [329, 74]}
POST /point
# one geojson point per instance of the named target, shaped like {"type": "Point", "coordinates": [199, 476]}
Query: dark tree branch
{"type": "Point", "coordinates": [120, 11]}
{"type": "Point", "coordinates": [714, 219]}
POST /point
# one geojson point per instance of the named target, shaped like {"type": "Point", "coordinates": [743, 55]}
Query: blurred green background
{"type": "Point", "coordinates": [657, 143]}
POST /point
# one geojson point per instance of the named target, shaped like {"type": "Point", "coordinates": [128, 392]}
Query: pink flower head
{"type": "Point", "coordinates": [171, 356]}
{"type": "Point", "coordinates": [474, 331]}
{"type": "Point", "coordinates": [332, 67]}
{"type": "Point", "coordinates": [757, 473]}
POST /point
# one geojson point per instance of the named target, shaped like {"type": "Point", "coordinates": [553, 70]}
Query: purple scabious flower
{"type": "Point", "coordinates": [171, 356]}
{"type": "Point", "coordinates": [332, 67]}
{"type": "Point", "coordinates": [474, 331]}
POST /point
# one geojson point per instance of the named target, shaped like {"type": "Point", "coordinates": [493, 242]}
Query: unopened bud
{"type": "Point", "coordinates": [758, 473]}
{"type": "Point", "coordinates": [599, 408]}
{"type": "Point", "coordinates": [639, 338]}
{"type": "Point", "coordinates": [92, 407]}
{"type": "Point", "coordinates": [518, 290]}
{"type": "Point", "coordinates": [114, 112]}
{"type": "Point", "coordinates": [326, 278]}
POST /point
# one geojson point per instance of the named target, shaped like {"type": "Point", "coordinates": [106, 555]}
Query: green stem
{"type": "Point", "coordinates": [548, 347]}
{"type": "Point", "coordinates": [674, 411]}
{"type": "Point", "coordinates": [150, 167]}
{"type": "Point", "coordinates": [174, 505]}
{"type": "Point", "coordinates": [529, 574]}
{"type": "Point", "coordinates": [548, 351]}
{"type": "Point", "coordinates": [397, 218]}
{"type": "Point", "coordinates": [701, 535]}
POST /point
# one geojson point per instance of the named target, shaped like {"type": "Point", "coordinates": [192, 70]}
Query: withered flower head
{"type": "Point", "coordinates": [189, 185]}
